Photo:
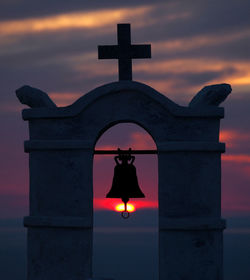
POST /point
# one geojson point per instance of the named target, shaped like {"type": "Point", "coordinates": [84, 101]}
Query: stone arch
{"type": "Point", "coordinates": [137, 263]}
{"type": "Point", "coordinates": [61, 195]}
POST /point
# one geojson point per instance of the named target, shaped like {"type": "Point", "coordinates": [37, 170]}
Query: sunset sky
{"type": "Point", "coordinates": [52, 45]}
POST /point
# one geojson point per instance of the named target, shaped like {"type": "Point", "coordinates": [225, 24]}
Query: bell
{"type": "Point", "coordinates": [125, 184]}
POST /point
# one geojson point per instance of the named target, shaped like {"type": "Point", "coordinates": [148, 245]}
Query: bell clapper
{"type": "Point", "coordinates": [125, 214]}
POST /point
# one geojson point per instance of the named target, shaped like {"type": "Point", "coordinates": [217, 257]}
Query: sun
{"type": "Point", "coordinates": [121, 208]}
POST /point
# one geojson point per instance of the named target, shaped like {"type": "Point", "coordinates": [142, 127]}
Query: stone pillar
{"type": "Point", "coordinates": [60, 224]}
{"type": "Point", "coordinates": [190, 224]}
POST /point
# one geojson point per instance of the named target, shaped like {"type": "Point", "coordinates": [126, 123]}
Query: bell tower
{"type": "Point", "coordinates": [61, 149]}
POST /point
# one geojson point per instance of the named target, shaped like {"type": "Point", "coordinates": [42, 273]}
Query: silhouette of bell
{"type": "Point", "coordinates": [125, 183]}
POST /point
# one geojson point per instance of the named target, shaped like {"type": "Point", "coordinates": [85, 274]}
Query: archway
{"type": "Point", "coordinates": [125, 249]}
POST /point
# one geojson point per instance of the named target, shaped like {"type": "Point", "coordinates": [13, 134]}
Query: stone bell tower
{"type": "Point", "coordinates": [61, 149]}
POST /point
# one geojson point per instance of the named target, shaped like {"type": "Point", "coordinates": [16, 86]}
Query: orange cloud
{"type": "Point", "coordinates": [233, 138]}
{"type": "Point", "coordinates": [193, 65]}
{"type": "Point", "coordinates": [195, 42]}
{"type": "Point", "coordinates": [75, 20]}
{"type": "Point", "coordinates": [237, 158]}
{"type": "Point", "coordinates": [239, 78]}
{"type": "Point", "coordinates": [10, 108]}
{"type": "Point", "coordinates": [106, 147]}
{"type": "Point", "coordinates": [169, 88]}
{"type": "Point", "coordinates": [140, 141]}
{"type": "Point", "coordinates": [64, 99]}
{"type": "Point", "coordinates": [94, 68]}
{"type": "Point", "coordinates": [228, 136]}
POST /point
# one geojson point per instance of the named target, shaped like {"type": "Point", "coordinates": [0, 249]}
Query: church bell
{"type": "Point", "coordinates": [125, 183]}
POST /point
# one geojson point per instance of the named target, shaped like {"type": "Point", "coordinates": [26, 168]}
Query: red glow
{"type": "Point", "coordinates": [110, 204]}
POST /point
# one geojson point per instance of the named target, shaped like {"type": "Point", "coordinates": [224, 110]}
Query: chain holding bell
{"type": "Point", "coordinates": [125, 183]}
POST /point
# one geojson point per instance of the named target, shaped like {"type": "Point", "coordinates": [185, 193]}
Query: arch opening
{"type": "Point", "coordinates": [124, 249]}
{"type": "Point", "coordinates": [128, 125]}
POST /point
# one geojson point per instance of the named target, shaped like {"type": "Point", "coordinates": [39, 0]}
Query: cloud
{"type": "Point", "coordinates": [13, 9]}
{"type": "Point", "coordinates": [235, 138]}
{"type": "Point", "coordinates": [13, 205]}
{"type": "Point", "coordinates": [75, 20]}
{"type": "Point", "coordinates": [236, 158]}
{"type": "Point", "coordinates": [58, 45]}
{"type": "Point", "coordinates": [184, 44]}
{"type": "Point", "coordinates": [228, 70]}
{"type": "Point", "coordinates": [142, 141]}
{"type": "Point", "coordinates": [235, 183]}
{"type": "Point", "coordinates": [63, 98]}
{"type": "Point", "coordinates": [10, 108]}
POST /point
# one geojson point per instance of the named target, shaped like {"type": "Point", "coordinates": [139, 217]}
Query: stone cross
{"type": "Point", "coordinates": [124, 51]}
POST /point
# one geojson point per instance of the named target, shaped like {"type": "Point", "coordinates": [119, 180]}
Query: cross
{"type": "Point", "coordinates": [124, 51]}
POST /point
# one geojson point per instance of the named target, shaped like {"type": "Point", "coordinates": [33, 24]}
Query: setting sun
{"type": "Point", "coordinates": [121, 208]}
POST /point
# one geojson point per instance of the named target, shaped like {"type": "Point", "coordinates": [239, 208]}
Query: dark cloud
{"type": "Point", "coordinates": [189, 79]}
{"type": "Point", "coordinates": [56, 78]}
{"type": "Point", "coordinates": [237, 112]}
{"type": "Point", "coordinates": [13, 205]}
{"type": "Point", "coordinates": [206, 17]}
{"type": "Point", "coordinates": [233, 51]}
